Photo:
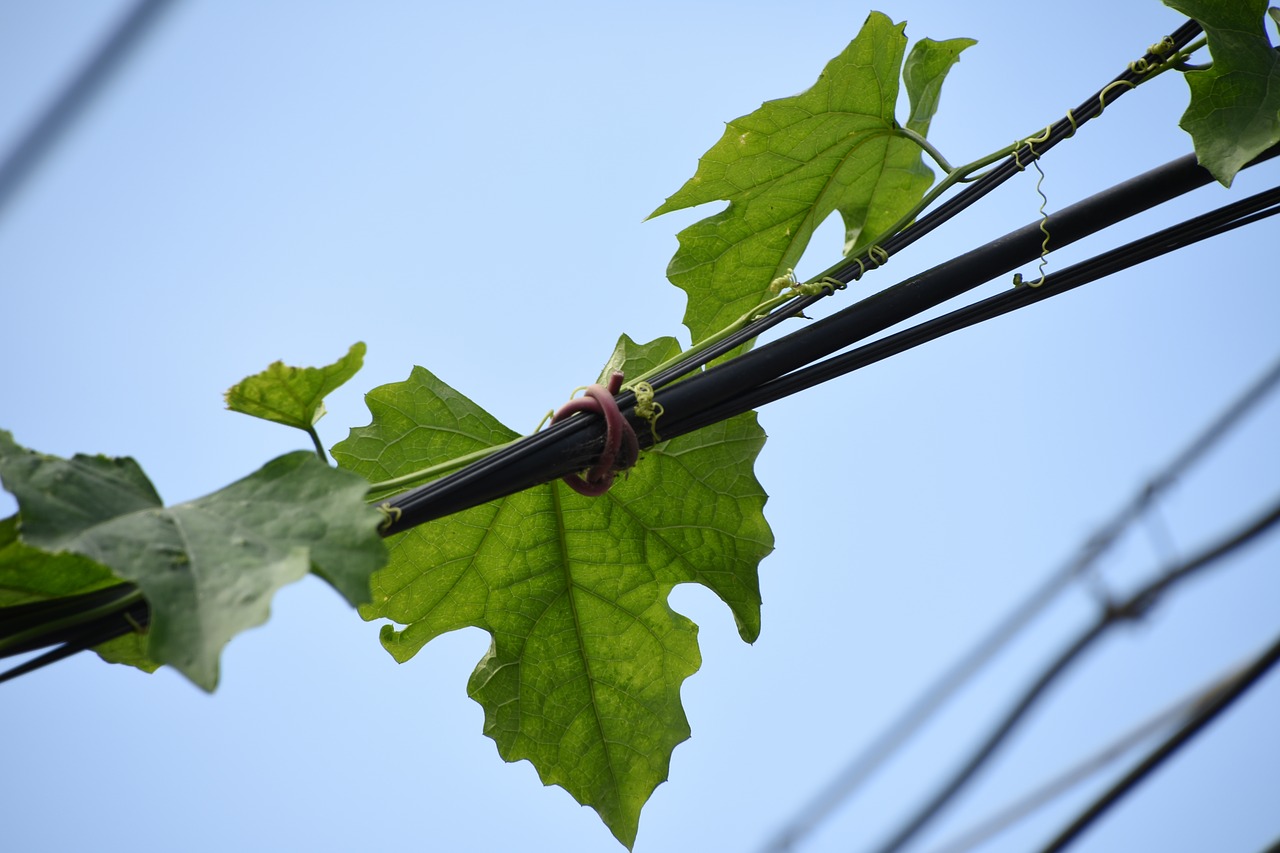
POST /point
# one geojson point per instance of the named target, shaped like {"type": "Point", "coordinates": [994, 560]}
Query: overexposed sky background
{"type": "Point", "coordinates": [463, 187]}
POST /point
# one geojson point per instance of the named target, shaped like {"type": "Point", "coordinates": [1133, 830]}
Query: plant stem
{"type": "Point", "coordinates": [315, 439]}
{"type": "Point", "coordinates": [432, 471]}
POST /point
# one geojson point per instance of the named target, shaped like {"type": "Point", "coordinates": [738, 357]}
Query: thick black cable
{"type": "Point", "coordinates": [1205, 715]}
{"type": "Point", "coordinates": [1131, 608]}
{"type": "Point", "coordinates": [1220, 221]}
{"type": "Point", "coordinates": [574, 444]}
{"type": "Point", "coordinates": [72, 100]}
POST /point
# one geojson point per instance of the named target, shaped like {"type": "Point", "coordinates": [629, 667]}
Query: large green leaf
{"type": "Point", "coordinates": [1235, 103]}
{"type": "Point", "coordinates": [584, 673]}
{"type": "Point", "coordinates": [209, 567]}
{"type": "Point", "coordinates": [787, 166]}
{"type": "Point", "coordinates": [293, 396]}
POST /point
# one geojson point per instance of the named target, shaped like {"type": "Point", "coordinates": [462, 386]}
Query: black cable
{"type": "Point", "coordinates": [1220, 221]}
{"type": "Point", "coordinates": [131, 617]}
{"type": "Point", "coordinates": [93, 75]}
{"type": "Point", "coordinates": [1171, 745]}
{"type": "Point", "coordinates": [573, 444]}
{"type": "Point", "coordinates": [1134, 607]}
{"type": "Point", "coordinates": [19, 618]}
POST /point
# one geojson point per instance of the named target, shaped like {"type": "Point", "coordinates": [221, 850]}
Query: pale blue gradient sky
{"type": "Point", "coordinates": [463, 187]}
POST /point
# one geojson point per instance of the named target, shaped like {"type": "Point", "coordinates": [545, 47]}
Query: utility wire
{"type": "Point", "coordinates": [1097, 545]}
{"type": "Point", "coordinates": [1132, 608]}
{"type": "Point", "coordinates": [558, 451]}
{"type": "Point", "coordinates": [58, 116]}
{"type": "Point", "coordinates": [1180, 738]}
{"type": "Point", "coordinates": [1220, 221]}
{"type": "Point", "coordinates": [1064, 781]}
{"type": "Point", "coordinates": [575, 443]}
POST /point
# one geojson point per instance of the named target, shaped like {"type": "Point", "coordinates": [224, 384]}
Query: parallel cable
{"type": "Point", "coordinates": [1090, 551]}
{"type": "Point", "coordinates": [575, 444]}
{"type": "Point", "coordinates": [1220, 221]}
{"type": "Point", "coordinates": [1180, 738]}
{"type": "Point", "coordinates": [1132, 608]}
{"type": "Point", "coordinates": [1179, 711]}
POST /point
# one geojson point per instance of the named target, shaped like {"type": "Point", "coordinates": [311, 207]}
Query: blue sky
{"type": "Point", "coordinates": [463, 188]}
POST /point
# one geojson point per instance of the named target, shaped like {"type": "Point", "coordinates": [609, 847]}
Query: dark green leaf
{"type": "Point", "coordinates": [209, 567]}
{"type": "Point", "coordinates": [1235, 103]}
{"type": "Point", "coordinates": [584, 673]}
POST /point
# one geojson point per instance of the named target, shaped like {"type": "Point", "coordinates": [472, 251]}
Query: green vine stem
{"type": "Point", "coordinates": [420, 476]}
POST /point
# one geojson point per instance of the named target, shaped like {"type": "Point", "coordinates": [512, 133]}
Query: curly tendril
{"type": "Point", "coordinates": [621, 448]}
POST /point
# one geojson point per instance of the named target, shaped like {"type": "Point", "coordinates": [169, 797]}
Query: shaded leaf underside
{"type": "Point", "coordinates": [1234, 113]}
{"type": "Point", "coordinates": [208, 567]}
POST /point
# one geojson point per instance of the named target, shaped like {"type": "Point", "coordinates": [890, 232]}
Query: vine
{"type": "Point", "coordinates": [606, 553]}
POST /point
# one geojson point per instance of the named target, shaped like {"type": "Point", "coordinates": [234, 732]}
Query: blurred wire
{"type": "Point", "coordinates": [1205, 715]}
{"type": "Point", "coordinates": [861, 767]}
{"type": "Point", "coordinates": [1132, 608]}
{"type": "Point", "coordinates": [35, 144]}
{"type": "Point", "coordinates": [1064, 781]}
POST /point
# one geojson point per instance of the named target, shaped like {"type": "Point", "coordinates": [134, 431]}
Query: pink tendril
{"type": "Point", "coordinates": [621, 448]}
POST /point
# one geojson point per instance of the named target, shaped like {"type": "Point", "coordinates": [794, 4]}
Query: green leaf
{"type": "Point", "coordinates": [209, 567]}
{"type": "Point", "coordinates": [29, 575]}
{"type": "Point", "coordinates": [1235, 103]}
{"type": "Point", "coordinates": [293, 396]}
{"type": "Point", "coordinates": [787, 166]}
{"type": "Point", "coordinates": [584, 672]}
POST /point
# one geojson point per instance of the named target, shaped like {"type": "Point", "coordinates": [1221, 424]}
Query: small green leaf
{"type": "Point", "coordinates": [209, 567]}
{"type": "Point", "coordinates": [293, 396]}
{"type": "Point", "coordinates": [583, 676]}
{"type": "Point", "coordinates": [1235, 103]}
{"type": "Point", "coordinates": [28, 574]}
{"type": "Point", "coordinates": [790, 164]}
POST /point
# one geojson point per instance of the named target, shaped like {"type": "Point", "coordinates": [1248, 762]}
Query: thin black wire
{"type": "Point", "coordinates": [58, 116]}
{"type": "Point", "coordinates": [1051, 790]}
{"type": "Point", "coordinates": [1207, 714]}
{"type": "Point", "coordinates": [852, 269]}
{"type": "Point", "coordinates": [1093, 548]}
{"type": "Point", "coordinates": [1211, 224]}
{"type": "Point", "coordinates": [1132, 608]}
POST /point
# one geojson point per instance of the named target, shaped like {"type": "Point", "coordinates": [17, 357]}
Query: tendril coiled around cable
{"type": "Point", "coordinates": [621, 448]}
